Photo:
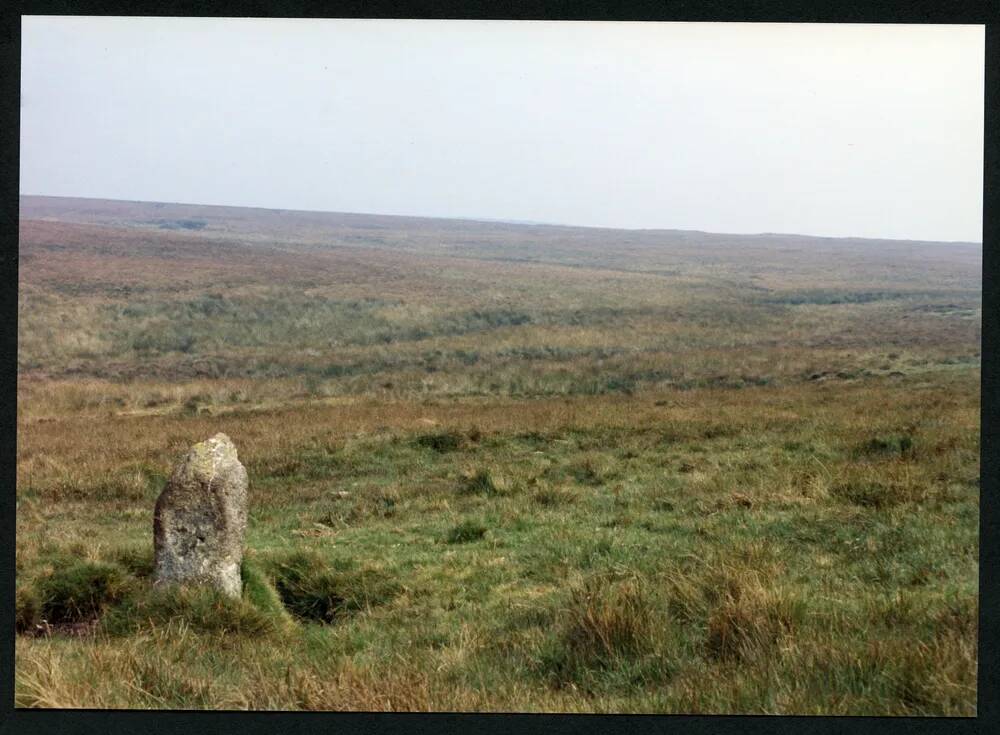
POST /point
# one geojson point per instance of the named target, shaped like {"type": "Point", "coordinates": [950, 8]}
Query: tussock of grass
{"type": "Point", "coordinates": [363, 506]}
{"type": "Point", "coordinates": [591, 469]}
{"type": "Point", "coordinates": [27, 609]}
{"type": "Point", "coordinates": [960, 616]}
{"type": "Point", "coordinates": [445, 441]}
{"type": "Point", "coordinates": [923, 675]}
{"type": "Point", "coordinates": [549, 497]}
{"type": "Point", "coordinates": [750, 618]}
{"type": "Point", "coordinates": [877, 494]}
{"type": "Point", "coordinates": [311, 590]}
{"type": "Point", "coordinates": [137, 561]}
{"type": "Point", "coordinates": [610, 629]}
{"type": "Point", "coordinates": [465, 532]}
{"type": "Point", "coordinates": [123, 603]}
{"type": "Point", "coordinates": [308, 589]}
{"type": "Point", "coordinates": [202, 609]}
{"type": "Point", "coordinates": [900, 445]}
{"type": "Point", "coordinates": [118, 486]}
{"type": "Point", "coordinates": [485, 482]}
{"type": "Point", "coordinates": [259, 591]}
{"type": "Point", "coordinates": [81, 591]}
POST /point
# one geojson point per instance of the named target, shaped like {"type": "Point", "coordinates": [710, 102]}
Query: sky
{"type": "Point", "coordinates": [832, 130]}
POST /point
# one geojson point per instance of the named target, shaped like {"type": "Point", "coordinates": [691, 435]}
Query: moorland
{"type": "Point", "coordinates": [499, 467]}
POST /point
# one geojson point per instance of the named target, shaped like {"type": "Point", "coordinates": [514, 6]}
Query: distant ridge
{"type": "Point", "coordinates": [517, 221]}
{"type": "Point", "coordinates": [40, 199]}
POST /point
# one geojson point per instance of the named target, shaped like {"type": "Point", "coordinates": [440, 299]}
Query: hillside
{"type": "Point", "coordinates": [333, 290]}
{"type": "Point", "coordinates": [500, 467]}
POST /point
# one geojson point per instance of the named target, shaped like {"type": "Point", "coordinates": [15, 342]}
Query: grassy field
{"type": "Point", "coordinates": [500, 467]}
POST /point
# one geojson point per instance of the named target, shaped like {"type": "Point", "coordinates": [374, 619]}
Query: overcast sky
{"type": "Point", "coordinates": [839, 130]}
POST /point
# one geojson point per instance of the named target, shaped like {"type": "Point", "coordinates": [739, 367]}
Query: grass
{"type": "Point", "coordinates": [201, 610]}
{"type": "Point", "coordinates": [484, 482]}
{"type": "Point", "coordinates": [611, 636]}
{"type": "Point", "coordinates": [80, 591]}
{"type": "Point", "coordinates": [466, 531]}
{"type": "Point", "coordinates": [27, 610]}
{"type": "Point", "coordinates": [312, 591]}
{"type": "Point", "coordinates": [741, 551]}
{"type": "Point", "coordinates": [581, 475]}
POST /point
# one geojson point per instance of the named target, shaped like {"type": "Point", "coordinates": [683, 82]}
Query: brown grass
{"type": "Point", "coordinates": [598, 471]}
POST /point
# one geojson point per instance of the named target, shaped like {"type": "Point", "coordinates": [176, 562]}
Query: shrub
{"type": "Point", "coordinates": [465, 532]}
{"type": "Point", "coordinates": [81, 591]}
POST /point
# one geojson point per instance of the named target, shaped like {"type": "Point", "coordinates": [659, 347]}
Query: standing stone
{"type": "Point", "coordinates": [201, 518]}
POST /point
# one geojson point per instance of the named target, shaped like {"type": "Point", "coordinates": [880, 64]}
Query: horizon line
{"type": "Point", "coordinates": [511, 221]}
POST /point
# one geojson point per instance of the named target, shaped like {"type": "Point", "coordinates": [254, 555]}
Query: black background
{"type": "Point", "coordinates": [108, 722]}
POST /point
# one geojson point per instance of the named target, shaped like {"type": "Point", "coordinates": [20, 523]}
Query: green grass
{"type": "Point", "coordinates": [576, 471]}
{"type": "Point", "coordinates": [465, 532]}
{"type": "Point", "coordinates": [80, 591]}
{"type": "Point", "coordinates": [588, 566]}
{"type": "Point", "coordinates": [312, 590]}
{"type": "Point", "coordinates": [201, 610]}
